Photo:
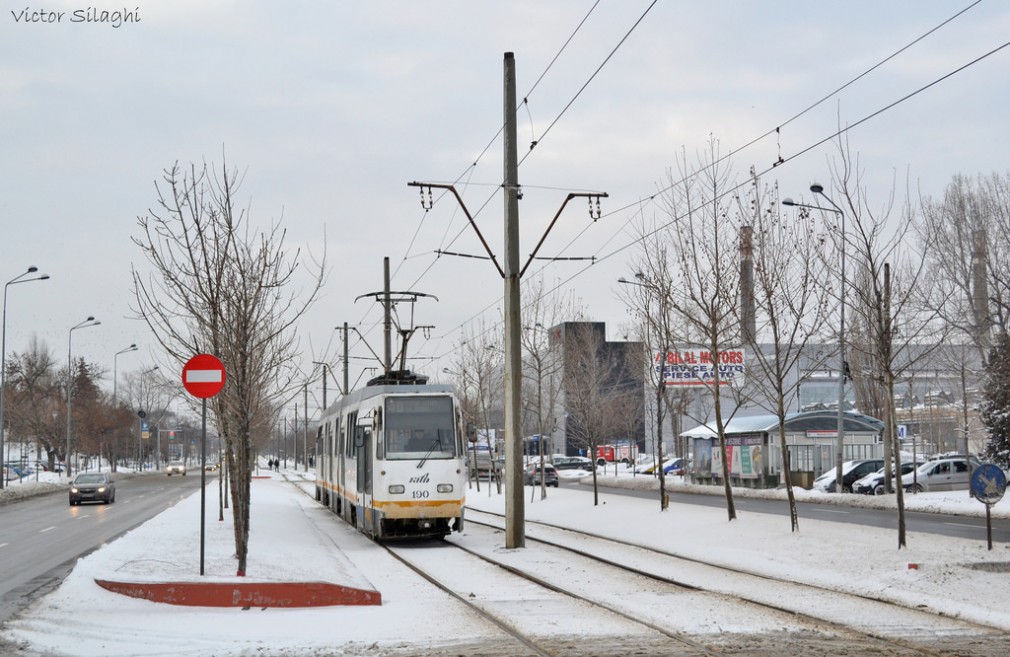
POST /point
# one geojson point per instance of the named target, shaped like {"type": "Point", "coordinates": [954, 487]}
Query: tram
{"type": "Point", "coordinates": [391, 458]}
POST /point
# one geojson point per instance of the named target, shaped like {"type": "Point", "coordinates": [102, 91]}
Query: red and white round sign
{"type": "Point", "coordinates": [203, 376]}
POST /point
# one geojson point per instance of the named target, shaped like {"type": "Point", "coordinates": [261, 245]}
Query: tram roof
{"type": "Point", "coordinates": [374, 391]}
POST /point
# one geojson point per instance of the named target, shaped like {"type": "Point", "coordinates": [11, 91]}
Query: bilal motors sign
{"type": "Point", "coordinates": [697, 367]}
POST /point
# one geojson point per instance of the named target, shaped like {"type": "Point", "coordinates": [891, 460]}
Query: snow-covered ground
{"type": "Point", "coordinates": [294, 539]}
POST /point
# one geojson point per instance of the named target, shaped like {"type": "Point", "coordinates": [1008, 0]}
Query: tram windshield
{"type": "Point", "coordinates": [419, 428]}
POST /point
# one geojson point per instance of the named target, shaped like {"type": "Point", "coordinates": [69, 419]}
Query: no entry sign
{"type": "Point", "coordinates": [203, 376]}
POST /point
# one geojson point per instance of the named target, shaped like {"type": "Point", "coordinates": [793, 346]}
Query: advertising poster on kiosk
{"type": "Point", "coordinates": [744, 456]}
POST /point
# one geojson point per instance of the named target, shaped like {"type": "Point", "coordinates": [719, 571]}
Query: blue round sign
{"type": "Point", "coordinates": [988, 483]}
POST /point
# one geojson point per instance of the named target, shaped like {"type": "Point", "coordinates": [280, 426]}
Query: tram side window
{"type": "Point", "coordinates": [419, 427]}
{"type": "Point", "coordinates": [352, 420]}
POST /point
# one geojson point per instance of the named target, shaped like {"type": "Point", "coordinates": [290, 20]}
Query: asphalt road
{"type": "Point", "coordinates": [969, 527]}
{"type": "Point", "coordinates": [42, 537]}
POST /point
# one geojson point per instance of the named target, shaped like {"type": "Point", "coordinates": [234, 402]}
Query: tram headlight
{"type": "Point", "coordinates": [445, 488]}
{"type": "Point", "coordinates": [396, 489]}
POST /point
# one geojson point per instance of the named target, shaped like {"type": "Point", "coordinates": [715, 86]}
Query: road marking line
{"type": "Point", "coordinates": [831, 511]}
{"type": "Point", "coordinates": [3, 545]}
{"type": "Point", "coordinates": [961, 524]}
{"type": "Point", "coordinates": [43, 531]}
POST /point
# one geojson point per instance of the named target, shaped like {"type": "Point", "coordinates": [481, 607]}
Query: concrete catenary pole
{"type": "Point", "coordinates": [345, 391]}
{"type": "Point", "coordinates": [515, 535]}
{"type": "Point", "coordinates": [387, 320]}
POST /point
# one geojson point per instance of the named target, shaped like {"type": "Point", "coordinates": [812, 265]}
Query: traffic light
{"type": "Point", "coordinates": [171, 435]}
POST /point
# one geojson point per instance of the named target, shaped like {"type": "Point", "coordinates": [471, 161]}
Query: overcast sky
{"type": "Point", "coordinates": [331, 108]}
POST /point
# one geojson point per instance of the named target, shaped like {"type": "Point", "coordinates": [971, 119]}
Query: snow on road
{"type": "Point", "coordinates": [294, 539]}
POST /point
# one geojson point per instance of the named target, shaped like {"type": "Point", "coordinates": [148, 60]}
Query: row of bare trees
{"type": "Point", "coordinates": [572, 382]}
{"type": "Point", "coordinates": [724, 267]}
{"type": "Point", "coordinates": [103, 428]}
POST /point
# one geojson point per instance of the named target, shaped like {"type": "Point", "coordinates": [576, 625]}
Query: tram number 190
{"type": "Point", "coordinates": [419, 494]}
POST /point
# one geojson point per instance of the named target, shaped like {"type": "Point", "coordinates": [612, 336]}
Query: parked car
{"type": "Point", "coordinates": [851, 471]}
{"type": "Point", "coordinates": [92, 487]}
{"type": "Point", "coordinates": [677, 466]}
{"type": "Point", "coordinates": [14, 471]}
{"type": "Point", "coordinates": [175, 467]}
{"type": "Point", "coordinates": [572, 463]}
{"type": "Point", "coordinates": [873, 483]}
{"type": "Point", "coordinates": [532, 475]}
{"type": "Point", "coordinates": [939, 474]}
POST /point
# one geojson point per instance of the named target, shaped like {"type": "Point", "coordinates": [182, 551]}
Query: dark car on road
{"type": "Point", "coordinates": [92, 487]}
{"type": "Point", "coordinates": [532, 475]}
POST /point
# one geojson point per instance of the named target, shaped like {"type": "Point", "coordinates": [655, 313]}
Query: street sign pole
{"type": "Point", "coordinates": [203, 482]}
{"type": "Point", "coordinates": [988, 485]}
{"type": "Point", "coordinates": [203, 376]}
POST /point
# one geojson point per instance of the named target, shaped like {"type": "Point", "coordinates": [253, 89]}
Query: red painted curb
{"type": "Point", "coordinates": [252, 594]}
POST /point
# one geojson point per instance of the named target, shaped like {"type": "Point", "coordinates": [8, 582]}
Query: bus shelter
{"type": "Point", "coordinates": [754, 453]}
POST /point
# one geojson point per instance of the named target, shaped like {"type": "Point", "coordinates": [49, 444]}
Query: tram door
{"type": "Point", "coordinates": [363, 443]}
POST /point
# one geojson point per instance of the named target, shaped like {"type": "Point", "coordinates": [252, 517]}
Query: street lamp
{"type": "Point", "coordinates": [663, 298]}
{"type": "Point", "coordinates": [140, 422]}
{"type": "Point", "coordinates": [115, 378]}
{"type": "Point", "coordinates": [842, 369]}
{"type": "Point", "coordinates": [3, 353]}
{"type": "Point", "coordinates": [90, 321]}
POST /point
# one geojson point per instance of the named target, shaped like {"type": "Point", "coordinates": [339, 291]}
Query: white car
{"type": "Point", "coordinates": [175, 467]}
{"type": "Point", "coordinates": [941, 474]}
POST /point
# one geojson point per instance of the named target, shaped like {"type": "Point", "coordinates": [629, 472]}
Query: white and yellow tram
{"type": "Point", "coordinates": [392, 461]}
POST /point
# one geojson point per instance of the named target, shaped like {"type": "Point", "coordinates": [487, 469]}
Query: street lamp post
{"type": "Point", "coordinates": [90, 321]}
{"type": "Point", "coordinates": [842, 369]}
{"type": "Point", "coordinates": [115, 377]}
{"type": "Point", "coordinates": [3, 355]}
{"type": "Point", "coordinates": [661, 383]}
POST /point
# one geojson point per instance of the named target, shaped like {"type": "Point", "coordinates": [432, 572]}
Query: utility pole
{"type": "Point", "coordinates": [325, 367]}
{"type": "Point", "coordinates": [512, 273]}
{"type": "Point", "coordinates": [305, 428]}
{"type": "Point", "coordinates": [515, 513]}
{"type": "Point", "coordinates": [387, 319]}
{"type": "Point", "coordinates": [346, 390]}
{"type": "Point", "coordinates": [389, 298]}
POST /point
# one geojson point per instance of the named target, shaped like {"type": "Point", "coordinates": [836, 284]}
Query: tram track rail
{"type": "Point", "coordinates": [539, 646]}
{"type": "Point", "coordinates": [824, 636]}
{"type": "Point", "coordinates": [968, 631]}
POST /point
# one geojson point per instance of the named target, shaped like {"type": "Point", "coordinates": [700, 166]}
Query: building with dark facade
{"type": "Point", "coordinates": [614, 369]}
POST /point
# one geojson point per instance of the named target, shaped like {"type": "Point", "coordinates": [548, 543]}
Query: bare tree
{"type": "Point", "coordinates": [220, 286]}
{"type": "Point", "coordinates": [542, 367]}
{"type": "Point", "coordinates": [36, 401]}
{"type": "Point", "coordinates": [894, 326]}
{"type": "Point", "coordinates": [704, 275]}
{"type": "Point", "coordinates": [790, 304]}
{"type": "Point", "coordinates": [965, 235]}
{"type": "Point", "coordinates": [479, 364]}
{"type": "Point", "coordinates": [593, 379]}
{"type": "Point", "coordinates": [649, 296]}
{"type": "Point", "coordinates": [145, 391]}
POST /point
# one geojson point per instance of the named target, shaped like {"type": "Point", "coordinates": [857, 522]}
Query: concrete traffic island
{"type": "Point", "coordinates": [245, 594]}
